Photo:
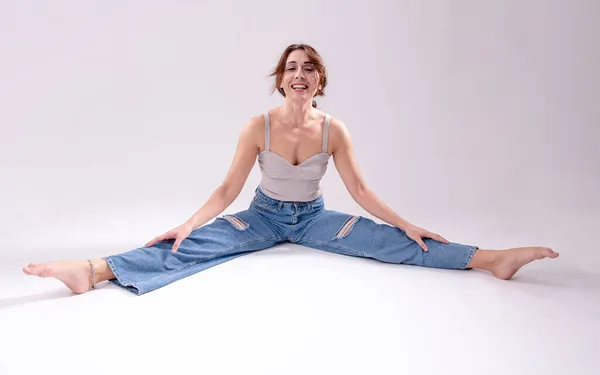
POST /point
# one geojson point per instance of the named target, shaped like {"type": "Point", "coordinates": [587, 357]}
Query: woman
{"type": "Point", "coordinates": [293, 144]}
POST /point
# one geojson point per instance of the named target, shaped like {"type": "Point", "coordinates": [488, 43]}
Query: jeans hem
{"type": "Point", "coordinates": [464, 264]}
{"type": "Point", "coordinates": [120, 281]}
{"type": "Point", "coordinates": [131, 289]}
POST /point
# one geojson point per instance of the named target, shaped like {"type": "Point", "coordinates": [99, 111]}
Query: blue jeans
{"type": "Point", "coordinates": [268, 222]}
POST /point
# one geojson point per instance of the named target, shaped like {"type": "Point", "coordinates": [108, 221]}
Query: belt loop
{"type": "Point", "coordinates": [279, 205]}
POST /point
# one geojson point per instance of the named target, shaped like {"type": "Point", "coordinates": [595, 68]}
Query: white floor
{"type": "Point", "coordinates": [479, 123]}
{"type": "Point", "coordinates": [293, 310]}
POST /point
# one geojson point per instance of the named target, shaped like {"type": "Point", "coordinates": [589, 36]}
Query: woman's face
{"type": "Point", "coordinates": [300, 78]}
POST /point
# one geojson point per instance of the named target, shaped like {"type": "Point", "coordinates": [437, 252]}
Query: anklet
{"type": "Point", "coordinates": [93, 274]}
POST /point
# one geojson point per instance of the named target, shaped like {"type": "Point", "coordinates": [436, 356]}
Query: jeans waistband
{"type": "Point", "coordinates": [314, 202]}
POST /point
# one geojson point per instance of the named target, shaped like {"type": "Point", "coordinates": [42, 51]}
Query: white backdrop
{"type": "Point", "coordinates": [119, 119]}
{"type": "Point", "coordinates": [474, 119]}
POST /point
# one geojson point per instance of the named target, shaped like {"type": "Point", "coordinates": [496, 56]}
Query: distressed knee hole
{"type": "Point", "coordinates": [347, 227]}
{"type": "Point", "coordinates": [236, 222]}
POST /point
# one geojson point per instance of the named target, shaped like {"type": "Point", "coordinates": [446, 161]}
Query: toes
{"type": "Point", "coordinates": [547, 252]}
{"type": "Point", "coordinates": [31, 271]}
{"type": "Point", "coordinates": [36, 269]}
{"type": "Point", "coordinates": [28, 269]}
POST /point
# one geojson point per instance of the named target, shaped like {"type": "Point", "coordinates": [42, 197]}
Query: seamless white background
{"type": "Point", "coordinates": [477, 120]}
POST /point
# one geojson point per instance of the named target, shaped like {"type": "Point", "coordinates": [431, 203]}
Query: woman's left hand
{"type": "Point", "coordinates": [416, 234]}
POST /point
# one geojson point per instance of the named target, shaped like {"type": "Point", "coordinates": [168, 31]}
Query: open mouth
{"type": "Point", "coordinates": [299, 87]}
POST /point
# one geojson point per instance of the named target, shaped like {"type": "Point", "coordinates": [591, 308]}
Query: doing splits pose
{"type": "Point", "coordinates": [293, 144]}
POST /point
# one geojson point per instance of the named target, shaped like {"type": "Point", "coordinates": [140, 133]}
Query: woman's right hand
{"type": "Point", "coordinates": [179, 234]}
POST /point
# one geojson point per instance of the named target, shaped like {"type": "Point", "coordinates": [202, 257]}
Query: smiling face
{"type": "Point", "coordinates": [300, 74]}
{"type": "Point", "coordinates": [300, 79]}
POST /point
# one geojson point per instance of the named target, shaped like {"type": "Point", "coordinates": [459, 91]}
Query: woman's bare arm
{"type": "Point", "coordinates": [347, 167]}
{"type": "Point", "coordinates": [230, 188]}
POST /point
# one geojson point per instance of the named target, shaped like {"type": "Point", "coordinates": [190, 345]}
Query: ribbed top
{"type": "Point", "coordinates": [287, 182]}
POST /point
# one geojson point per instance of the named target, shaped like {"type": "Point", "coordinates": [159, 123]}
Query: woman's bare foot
{"type": "Point", "coordinates": [508, 262]}
{"type": "Point", "coordinates": [76, 275]}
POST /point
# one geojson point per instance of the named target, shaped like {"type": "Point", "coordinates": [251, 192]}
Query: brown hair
{"type": "Point", "coordinates": [313, 57]}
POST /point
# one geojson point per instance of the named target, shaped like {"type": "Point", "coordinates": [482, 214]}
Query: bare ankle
{"type": "Point", "coordinates": [102, 270]}
{"type": "Point", "coordinates": [484, 259]}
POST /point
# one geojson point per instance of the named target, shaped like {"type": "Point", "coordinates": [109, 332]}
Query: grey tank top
{"type": "Point", "coordinates": [287, 182]}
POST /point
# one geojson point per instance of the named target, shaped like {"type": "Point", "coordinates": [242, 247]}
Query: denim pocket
{"type": "Point", "coordinates": [262, 204]}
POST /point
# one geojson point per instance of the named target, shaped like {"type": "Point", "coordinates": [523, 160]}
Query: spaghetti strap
{"type": "Point", "coordinates": [326, 132]}
{"type": "Point", "coordinates": [267, 131]}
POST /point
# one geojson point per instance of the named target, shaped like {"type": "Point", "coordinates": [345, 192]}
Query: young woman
{"type": "Point", "coordinates": [293, 144]}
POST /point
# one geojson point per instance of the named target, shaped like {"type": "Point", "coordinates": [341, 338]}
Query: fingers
{"type": "Point", "coordinates": [176, 244]}
{"type": "Point", "coordinates": [152, 242]}
{"type": "Point", "coordinates": [156, 239]}
{"type": "Point", "coordinates": [178, 235]}
{"type": "Point", "coordinates": [422, 244]}
{"type": "Point", "coordinates": [418, 239]}
{"type": "Point", "coordinates": [437, 237]}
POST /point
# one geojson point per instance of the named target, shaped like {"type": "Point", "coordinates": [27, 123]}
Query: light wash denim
{"type": "Point", "coordinates": [268, 222]}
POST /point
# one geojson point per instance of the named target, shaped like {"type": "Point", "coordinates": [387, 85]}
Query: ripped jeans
{"type": "Point", "coordinates": [268, 222]}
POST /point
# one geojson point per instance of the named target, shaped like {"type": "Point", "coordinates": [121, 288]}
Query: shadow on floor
{"type": "Point", "coordinates": [23, 300]}
{"type": "Point", "coordinates": [568, 279]}
{"type": "Point", "coordinates": [51, 295]}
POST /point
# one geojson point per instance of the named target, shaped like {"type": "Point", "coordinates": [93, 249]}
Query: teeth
{"type": "Point", "coordinates": [299, 87]}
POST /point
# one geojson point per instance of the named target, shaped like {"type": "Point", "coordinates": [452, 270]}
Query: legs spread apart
{"type": "Point", "coordinates": [354, 235]}
{"type": "Point", "coordinates": [229, 236]}
{"type": "Point", "coordinates": [148, 268]}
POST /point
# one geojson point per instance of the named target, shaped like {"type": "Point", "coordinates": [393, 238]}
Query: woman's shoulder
{"type": "Point", "coordinates": [257, 121]}
{"type": "Point", "coordinates": [273, 113]}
